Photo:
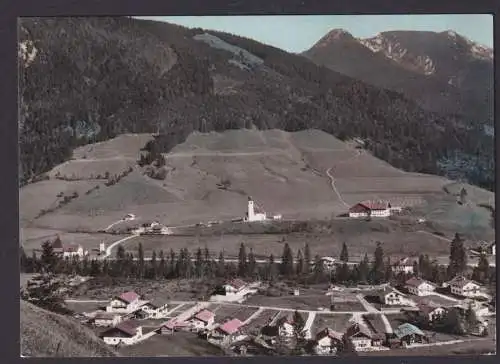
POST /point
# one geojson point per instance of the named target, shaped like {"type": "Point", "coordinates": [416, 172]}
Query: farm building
{"type": "Point", "coordinates": [228, 331]}
{"type": "Point", "coordinates": [362, 337]}
{"type": "Point", "coordinates": [464, 287]}
{"type": "Point", "coordinates": [127, 333]}
{"type": "Point", "coordinates": [388, 296]}
{"type": "Point", "coordinates": [427, 312]}
{"type": "Point", "coordinates": [203, 319]}
{"type": "Point", "coordinates": [234, 286]}
{"type": "Point", "coordinates": [328, 341]}
{"type": "Point", "coordinates": [106, 319]}
{"type": "Point", "coordinates": [404, 265]}
{"type": "Point", "coordinates": [370, 208]}
{"type": "Point", "coordinates": [125, 303]}
{"type": "Point", "coordinates": [171, 326]}
{"type": "Point", "coordinates": [68, 251]}
{"type": "Point", "coordinates": [409, 334]}
{"type": "Point", "coordinates": [419, 286]}
{"type": "Point", "coordinates": [156, 309]}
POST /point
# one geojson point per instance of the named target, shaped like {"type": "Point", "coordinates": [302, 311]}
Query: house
{"type": "Point", "coordinates": [106, 319]}
{"type": "Point", "coordinates": [409, 334]}
{"type": "Point", "coordinates": [156, 309]}
{"type": "Point", "coordinates": [227, 331]}
{"type": "Point", "coordinates": [328, 341]}
{"type": "Point", "coordinates": [254, 213]}
{"type": "Point", "coordinates": [169, 327]}
{"type": "Point", "coordinates": [125, 303]}
{"type": "Point", "coordinates": [370, 209]}
{"type": "Point", "coordinates": [419, 286]}
{"type": "Point", "coordinates": [430, 311]}
{"type": "Point", "coordinates": [362, 337]}
{"type": "Point", "coordinates": [388, 296]}
{"type": "Point", "coordinates": [465, 287]}
{"type": "Point", "coordinates": [479, 308]}
{"type": "Point", "coordinates": [493, 249]}
{"type": "Point", "coordinates": [203, 319]}
{"type": "Point", "coordinates": [126, 333]}
{"type": "Point", "coordinates": [73, 251]}
{"type": "Point", "coordinates": [234, 286]}
{"type": "Point", "coordinates": [404, 265]}
{"type": "Point", "coordinates": [285, 325]}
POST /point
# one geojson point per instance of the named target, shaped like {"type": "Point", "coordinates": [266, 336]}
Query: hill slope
{"type": "Point", "coordinates": [90, 79]}
{"type": "Point", "coordinates": [302, 175]}
{"type": "Point", "coordinates": [42, 332]}
{"type": "Point", "coordinates": [444, 72]}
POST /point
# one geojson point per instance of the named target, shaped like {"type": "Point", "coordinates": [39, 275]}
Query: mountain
{"type": "Point", "coordinates": [85, 80]}
{"type": "Point", "coordinates": [47, 334]}
{"type": "Point", "coordinates": [445, 72]}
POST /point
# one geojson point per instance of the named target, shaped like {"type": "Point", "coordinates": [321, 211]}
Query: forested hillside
{"type": "Point", "coordinates": [86, 79]}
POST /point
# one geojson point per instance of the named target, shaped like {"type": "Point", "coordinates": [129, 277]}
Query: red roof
{"type": "Point", "coordinates": [71, 248]}
{"type": "Point", "coordinates": [204, 316]}
{"type": "Point", "coordinates": [237, 283]}
{"type": "Point", "coordinates": [129, 297]}
{"type": "Point", "coordinates": [230, 327]}
{"type": "Point", "coordinates": [369, 205]}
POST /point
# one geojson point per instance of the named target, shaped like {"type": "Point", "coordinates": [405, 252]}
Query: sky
{"type": "Point", "coordinates": [296, 33]}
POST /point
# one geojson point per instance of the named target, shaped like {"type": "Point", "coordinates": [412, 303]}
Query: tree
{"type": "Point", "coordinates": [378, 269]}
{"type": "Point", "coordinates": [364, 270]}
{"type": "Point", "coordinates": [242, 261]}
{"type": "Point", "coordinates": [319, 271]}
{"type": "Point", "coordinates": [140, 265]}
{"type": "Point", "coordinates": [481, 272]}
{"type": "Point", "coordinates": [198, 265]}
{"type": "Point", "coordinates": [463, 196]}
{"type": "Point", "coordinates": [344, 255]}
{"type": "Point", "coordinates": [48, 259]}
{"type": "Point", "coordinates": [299, 268]}
{"type": "Point", "coordinates": [153, 266]}
{"type": "Point", "coordinates": [458, 257]}
{"type": "Point", "coordinates": [23, 261]}
{"type": "Point", "coordinates": [252, 264]}
{"type": "Point", "coordinates": [45, 291]}
{"type": "Point", "coordinates": [307, 259]}
{"type": "Point", "coordinates": [162, 267]}
{"type": "Point", "coordinates": [120, 253]}
{"type": "Point", "coordinates": [221, 265]}
{"type": "Point", "coordinates": [470, 319]}
{"type": "Point", "coordinates": [388, 270]}
{"type": "Point", "coordinates": [271, 268]}
{"type": "Point", "coordinates": [287, 261]}
{"type": "Point", "coordinates": [342, 274]}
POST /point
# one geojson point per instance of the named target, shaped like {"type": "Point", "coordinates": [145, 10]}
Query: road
{"type": "Point", "coordinates": [109, 248]}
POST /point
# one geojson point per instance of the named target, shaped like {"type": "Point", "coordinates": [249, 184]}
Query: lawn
{"type": "Point", "coordinates": [260, 321]}
{"type": "Point", "coordinates": [178, 344]}
{"type": "Point", "coordinates": [302, 302]}
{"type": "Point", "coordinates": [226, 312]}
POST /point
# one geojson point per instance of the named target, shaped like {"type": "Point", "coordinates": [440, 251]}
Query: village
{"type": "Point", "coordinates": [241, 320]}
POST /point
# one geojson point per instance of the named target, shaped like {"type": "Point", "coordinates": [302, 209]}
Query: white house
{"type": "Point", "coordinates": [328, 341]}
{"type": "Point", "coordinates": [254, 213]}
{"type": "Point", "coordinates": [465, 287]}
{"type": "Point", "coordinates": [370, 208]}
{"type": "Point", "coordinates": [493, 248]}
{"type": "Point", "coordinates": [234, 286]}
{"type": "Point", "coordinates": [74, 251]}
{"type": "Point", "coordinates": [203, 319]}
{"type": "Point", "coordinates": [125, 303]}
{"type": "Point", "coordinates": [431, 311]}
{"type": "Point", "coordinates": [419, 286]}
{"type": "Point", "coordinates": [404, 265]}
{"type": "Point", "coordinates": [227, 331]}
{"type": "Point", "coordinates": [389, 296]}
{"type": "Point", "coordinates": [362, 337]}
{"type": "Point", "coordinates": [126, 333]}
{"type": "Point", "coordinates": [155, 309]}
{"type": "Point", "coordinates": [285, 325]}
{"type": "Point", "coordinates": [106, 319]}
{"type": "Point", "coordinates": [102, 247]}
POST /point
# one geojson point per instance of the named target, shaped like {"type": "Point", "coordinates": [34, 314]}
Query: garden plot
{"type": "Point", "coordinates": [226, 312]}
{"type": "Point", "coordinates": [260, 321]}
{"type": "Point", "coordinates": [335, 322]}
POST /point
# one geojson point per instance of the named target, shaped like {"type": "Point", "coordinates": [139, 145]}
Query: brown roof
{"type": "Point", "coordinates": [237, 283]}
{"type": "Point", "coordinates": [204, 315]}
{"type": "Point", "coordinates": [57, 244]}
{"type": "Point", "coordinates": [427, 308]}
{"type": "Point", "coordinates": [329, 332]}
{"type": "Point", "coordinates": [127, 327]}
{"type": "Point", "coordinates": [416, 281]}
{"type": "Point", "coordinates": [357, 329]}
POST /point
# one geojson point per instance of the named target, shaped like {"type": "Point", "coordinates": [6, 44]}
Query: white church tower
{"type": "Point", "coordinates": [252, 215]}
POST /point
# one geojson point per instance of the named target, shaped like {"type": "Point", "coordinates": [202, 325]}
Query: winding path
{"type": "Point", "coordinates": [332, 178]}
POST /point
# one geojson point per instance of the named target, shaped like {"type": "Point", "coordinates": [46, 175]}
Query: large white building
{"type": "Point", "coordinates": [254, 213]}
{"type": "Point", "coordinates": [370, 208]}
